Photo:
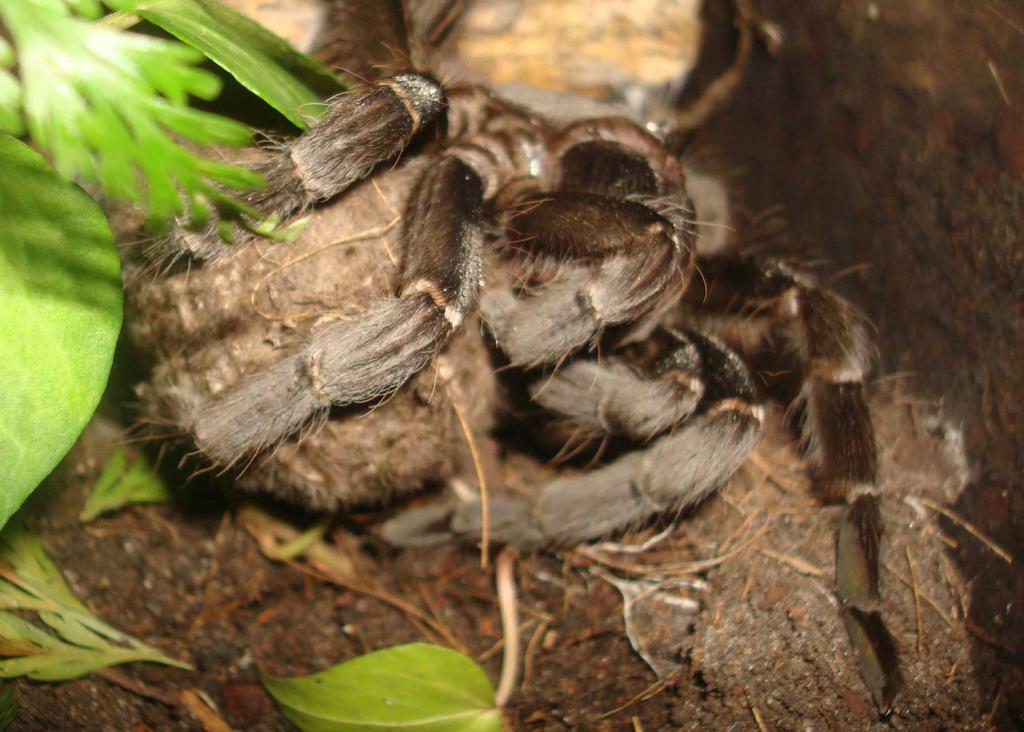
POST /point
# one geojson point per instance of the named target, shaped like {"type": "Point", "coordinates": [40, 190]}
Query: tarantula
{"type": "Point", "coordinates": [577, 244]}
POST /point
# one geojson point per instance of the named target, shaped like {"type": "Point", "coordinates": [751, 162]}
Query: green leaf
{"type": "Point", "coordinates": [60, 313]}
{"type": "Point", "coordinates": [265, 64]}
{"type": "Point", "coordinates": [8, 708]}
{"type": "Point", "coordinates": [120, 484]}
{"type": "Point", "coordinates": [10, 104]}
{"type": "Point", "coordinates": [26, 558]}
{"type": "Point", "coordinates": [303, 67]}
{"type": "Point", "coordinates": [30, 581]}
{"type": "Point", "coordinates": [86, 8]}
{"type": "Point", "coordinates": [111, 107]}
{"type": "Point", "coordinates": [416, 687]}
{"type": "Point", "coordinates": [7, 56]}
{"type": "Point", "coordinates": [33, 653]}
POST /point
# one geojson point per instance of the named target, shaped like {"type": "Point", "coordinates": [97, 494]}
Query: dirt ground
{"type": "Point", "coordinates": [891, 134]}
{"type": "Point", "coordinates": [762, 639]}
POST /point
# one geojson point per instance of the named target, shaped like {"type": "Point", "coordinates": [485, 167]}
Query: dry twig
{"type": "Point", "coordinates": [531, 650]}
{"type": "Point", "coordinates": [651, 691]}
{"type": "Point", "coordinates": [485, 512]}
{"type": "Point", "coordinates": [800, 565]}
{"type": "Point", "coordinates": [505, 580]}
{"type": "Point", "coordinates": [964, 524]}
{"type": "Point", "coordinates": [928, 598]}
{"type": "Point", "coordinates": [758, 718]}
{"type": "Point", "coordinates": [917, 600]}
{"type": "Point", "coordinates": [203, 711]}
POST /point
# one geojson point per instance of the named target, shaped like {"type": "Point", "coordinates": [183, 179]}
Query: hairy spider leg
{"type": "Point", "coordinates": [371, 40]}
{"type": "Point", "coordinates": [362, 128]}
{"type": "Point", "coordinates": [615, 398]}
{"type": "Point", "coordinates": [358, 361]}
{"type": "Point", "coordinates": [718, 421]}
{"type": "Point", "coordinates": [831, 343]}
{"type": "Point", "coordinates": [367, 40]}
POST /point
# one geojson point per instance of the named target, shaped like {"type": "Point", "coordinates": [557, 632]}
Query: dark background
{"type": "Point", "coordinates": [893, 135]}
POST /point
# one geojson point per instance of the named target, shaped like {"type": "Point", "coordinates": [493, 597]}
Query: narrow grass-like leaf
{"type": "Point", "coordinates": [83, 643]}
{"type": "Point", "coordinates": [23, 556]}
{"type": "Point", "coordinates": [122, 483]}
{"type": "Point", "coordinates": [31, 581]}
{"type": "Point", "coordinates": [45, 658]}
{"type": "Point", "coordinates": [8, 708]}
{"type": "Point", "coordinates": [60, 313]}
{"type": "Point", "coordinates": [262, 62]}
{"type": "Point", "coordinates": [68, 628]}
{"type": "Point", "coordinates": [417, 686]}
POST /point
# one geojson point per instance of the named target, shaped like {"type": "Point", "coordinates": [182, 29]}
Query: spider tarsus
{"type": "Point", "coordinates": [858, 539]}
{"type": "Point", "coordinates": [428, 525]}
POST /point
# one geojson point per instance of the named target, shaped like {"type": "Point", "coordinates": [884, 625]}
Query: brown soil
{"type": "Point", "coordinates": [893, 141]}
{"type": "Point", "coordinates": [191, 579]}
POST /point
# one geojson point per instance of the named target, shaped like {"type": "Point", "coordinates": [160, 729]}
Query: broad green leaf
{"type": "Point", "coordinates": [263, 63]}
{"type": "Point", "coordinates": [120, 484]}
{"type": "Point", "coordinates": [303, 67]}
{"type": "Point", "coordinates": [415, 687]}
{"type": "Point", "coordinates": [60, 313]}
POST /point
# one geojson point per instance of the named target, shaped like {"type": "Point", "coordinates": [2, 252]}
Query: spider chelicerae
{"type": "Point", "coordinates": [575, 242]}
